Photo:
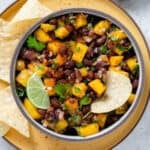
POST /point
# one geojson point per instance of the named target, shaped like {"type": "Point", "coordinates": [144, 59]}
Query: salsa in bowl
{"type": "Point", "coordinates": [76, 73]}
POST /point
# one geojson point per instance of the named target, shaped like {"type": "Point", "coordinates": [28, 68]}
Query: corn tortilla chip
{"type": "Point", "coordinates": [31, 9]}
{"type": "Point", "coordinates": [118, 91]}
{"type": "Point", "coordinates": [9, 38]}
{"type": "Point", "coordinates": [3, 128]}
{"type": "Point", "coordinates": [10, 114]}
{"type": "Point", "coordinates": [7, 50]}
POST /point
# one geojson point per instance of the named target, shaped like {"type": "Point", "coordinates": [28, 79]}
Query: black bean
{"type": "Point", "coordinates": [52, 35]}
{"type": "Point", "coordinates": [92, 45]}
{"type": "Point", "coordinates": [42, 112]}
{"type": "Point", "coordinates": [55, 102]}
{"type": "Point", "coordinates": [87, 62]}
{"type": "Point", "coordinates": [29, 54]}
{"type": "Point", "coordinates": [70, 27]}
{"type": "Point", "coordinates": [135, 84]}
{"type": "Point", "coordinates": [91, 33]}
{"type": "Point", "coordinates": [101, 40]}
{"type": "Point", "coordinates": [63, 50]}
{"type": "Point", "coordinates": [69, 64]}
{"type": "Point", "coordinates": [90, 75]}
{"type": "Point", "coordinates": [101, 64]}
{"type": "Point", "coordinates": [90, 53]}
{"type": "Point", "coordinates": [67, 72]}
{"type": "Point", "coordinates": [83, 31]}
{"type": "Point", "coordinates": [78, 75]}
{"type": "Point", "coordinates": [110, 44]}
{"type": "Point", "coordinates": [93, 95]}
{"type": "Point", "coordinates": [62, 81]}
{"type": "Point", "coordinates": [86, 109]}
{"type": "Point", "coordinates": [72, 78]}
{"type": "Point", "coordinates": [53, 21]}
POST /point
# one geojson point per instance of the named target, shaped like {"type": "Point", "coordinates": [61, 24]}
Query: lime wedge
{"type": "Point", "coordinates": [36, 92]}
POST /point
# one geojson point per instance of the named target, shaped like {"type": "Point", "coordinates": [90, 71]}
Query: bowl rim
{"type": "Point", "coordinates": [99, 14]}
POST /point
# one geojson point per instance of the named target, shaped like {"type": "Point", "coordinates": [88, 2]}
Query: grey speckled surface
{"type": "Point", "coordinates": [139, 139]}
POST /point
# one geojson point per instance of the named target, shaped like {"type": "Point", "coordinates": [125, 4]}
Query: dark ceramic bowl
{"type": "Point", "coordinates": [113, 126]}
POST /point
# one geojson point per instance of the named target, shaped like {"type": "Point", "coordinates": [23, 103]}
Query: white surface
{"type": "Point", "coordinates": [139, 139]}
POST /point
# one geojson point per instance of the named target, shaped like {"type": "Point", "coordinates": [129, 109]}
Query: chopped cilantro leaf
{"type": "Point", "coordinates": [103, 49]}
{"type": "Point", "coordinates": [33, 43]}
{"type": "Point", "coordinates": [85, 101]}
{"type": "Point", "coordinates": [62, 90]}
{"type": "Point", "coordinates": [79, 65]}
{"type": "Point", "coordinates": [20, 92]}
{"type": "Point", "coordinates": [122, 48]}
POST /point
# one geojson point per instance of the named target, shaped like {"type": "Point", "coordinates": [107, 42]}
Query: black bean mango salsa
{"type": "Point", "coordinates": [65, 62]}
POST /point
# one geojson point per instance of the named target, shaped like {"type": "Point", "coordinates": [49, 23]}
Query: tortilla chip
{"type": "Point", "coordinates": [117, 93]}
{"type": "Point", "coordinates": [7, 50]}
{"type": "Point", "coordinates": [31, 9]}
{"type": "Point", "coordinates": [9, 38]}
{"type": "Point", "coordinates": [10, 114]}
{"type": "Point", "coordinates": [3, 129]}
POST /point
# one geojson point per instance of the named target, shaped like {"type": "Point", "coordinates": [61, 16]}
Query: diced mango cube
{"type": "Point", "coordinates": [61, 32]}
{"type": "Point", "coordinates": [40, 69]}
{"type": "Point", "coordinates": [46, 27]}
{"type": "Point", "coordinates": [42, 36]}
{"type": "Point", "coordinates": [131, 98]}
{"type": "Point", "coordinates": [60, 59]}
{"type": "Point", "coordinates": [131, 62]}
{"type": "Point", "coordinates": [54, 46]}
{"type": "Point", "coordinates": [49, 84]}
{"type": "Point", "coordinates": [102, 120]}
{"type": "Point", "coordinates": [79, 89]}
{"type": "Point", "coordinates": [88, 130]}
{"type": "Point", "coordinates": [80, 21]}
{"type": "Point", "coordinates": [71, 104]}
{"type": "Point", "coordinates": [101, 27]}
{"type": "Point", "coordinates": [118, 34]}
{"type": "Point", "coordinates": [118, 51]}
{"type": "Point", "coordinates": [84, 71]}
{"type": "Point", "coordinates": [61, 125]}
{"type": "Point", "coordinates": [97, 86]}
{"type": "Point", "coordinates": [115, 60]}
{"type": "Point", "coordinates": [32, 110]}
{"type": "Point", "coordinates": [23, 76]}
{"type": "Point", "coordinates": [79, 52]}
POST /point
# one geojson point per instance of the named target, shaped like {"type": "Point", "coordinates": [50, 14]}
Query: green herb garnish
{"type": "Point", "coordinates": [79, 65]}
{"type": "Point", "coordinates": [77, 89]}
{"type": "Point", "coordinates": [103, 49]}
{"type": "Point", "coordinates": [135, 69]}
{"type": "Point", "coordinates": [85, 101]}
{"type": "Point", "coordinates": [20, 92]}
{"type": "Point", "coordinates": [33, 43]}
{"type": "Point", "coordinates": [74, 120]}
{"type": "Point", "coordinates": [54, 66]}
{"type": "Point", "coordinates": [122, 48]}
{"type": "Point", "coordinates": [62, 90]}
{"type": "Point", "coordinates": [38, 67]}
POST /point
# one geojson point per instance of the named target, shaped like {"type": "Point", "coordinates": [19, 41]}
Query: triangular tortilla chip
{"type": "Point", "coordinates": [7, 50]}
{"type": "Point", "coordinates": [31, 9]}
{"type": "Point", "coordinates": [10, 114]}
{"type": "Point", "coordinates": [117, 93]}
{"type": "Point", "coordinates": [4, 128]}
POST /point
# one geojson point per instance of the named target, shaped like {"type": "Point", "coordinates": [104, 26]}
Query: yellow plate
{"type": "Point", "coordinates": [38, 140]}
